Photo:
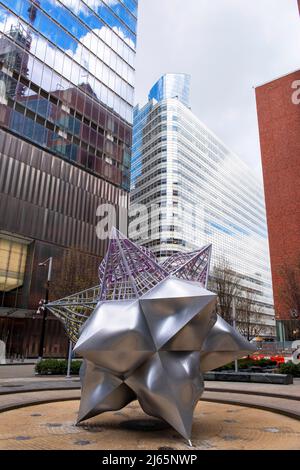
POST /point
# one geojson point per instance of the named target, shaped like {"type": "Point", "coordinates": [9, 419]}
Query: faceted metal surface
{"type": "Point", "coordinates": [152, 334]}
{"type": "Point", "coordinates": [101, 392]}
{"type": "Point", "coordinates": [126, 272]}
{"type": "Point", "coordinates": [116, 337]}
{"type": "Point", "coordinates": [168, 386]}
{"type": "Point", "coordinates": [173, 305]}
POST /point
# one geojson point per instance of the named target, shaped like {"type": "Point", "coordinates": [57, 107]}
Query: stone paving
{"type": "Point", "coordinates": [280, 398]}
{"type": "Point", "coordinates": [289, 391]}
{"type": "Point", "coordinates": [38, 384]}
{"type": "Point", "coordinates": [279, 405]}
{"type": "Point", "coordinates": [216, 426]}
{"type": "Point", "coordinates": [17, 400]}
{"type": "Point", "coordinates": [47, 406]}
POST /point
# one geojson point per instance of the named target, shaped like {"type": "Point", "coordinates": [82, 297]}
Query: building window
{"type": "Point", "coordinates": [12, 263]}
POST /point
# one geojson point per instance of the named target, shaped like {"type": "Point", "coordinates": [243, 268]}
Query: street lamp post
{"type": "Point", "coordinates": [68, 376]}
{"type": "Point", "coordinates": [236, 368]}
{"type": "Point", "coordinates": [48, 261]}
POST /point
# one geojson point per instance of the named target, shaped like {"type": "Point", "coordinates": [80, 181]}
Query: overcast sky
{"type": "Point", "coordinates": [228, 47]}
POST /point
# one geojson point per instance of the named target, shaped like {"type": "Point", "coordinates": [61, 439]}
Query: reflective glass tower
{"type": "Point", "coordinates": [66, 101]}
{"type": "Point", "coordinates": [67, 79]}
{"type": "Point", "coordinates": [197, 192]}
{"type": "Point", "coordinates": [172, 85]}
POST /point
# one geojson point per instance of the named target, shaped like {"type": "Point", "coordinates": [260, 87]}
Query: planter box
{"type": "Point", "coordinates": [281, 379]}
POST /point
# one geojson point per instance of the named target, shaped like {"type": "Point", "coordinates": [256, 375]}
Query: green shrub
{"type": "Point", "coordinates": [247, 363]}
{"type": "Point", "coordinates": [265, 363]}
{"type": "Point", "coordinates": [57, 367]}
{"type": "Point", "coordinates": [290, 368]}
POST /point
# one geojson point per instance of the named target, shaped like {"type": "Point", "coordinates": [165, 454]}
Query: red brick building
{"type": "Point", "coordinates": [278, 106]}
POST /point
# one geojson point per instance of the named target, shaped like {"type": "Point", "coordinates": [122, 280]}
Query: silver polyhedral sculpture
{"type": "Point", "coordinates": [148, 332]}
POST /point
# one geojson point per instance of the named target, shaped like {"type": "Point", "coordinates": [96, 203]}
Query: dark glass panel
{"type": "Point", "coordinates": [100, 142]}
{"type": "Point", "coordinates": [128, 136]}
{"type": "Point", "coordinates": [98, 166]}
{"type": "Point", "coordinates": [95, 112]}
{"type": "Point", "coordinates": [102, 118]}
{"type": "Point", "coordinates": [83, 157]}
{"type": "Point", "coordinates": [93, 138]}
{"type": "Point", "coordinates": [122, 132]}
{"type": "Point", "coordinates": [91, 162]}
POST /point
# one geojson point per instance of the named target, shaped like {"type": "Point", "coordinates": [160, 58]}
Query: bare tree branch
{"type": "Point", "coordinates": [249, 314]}
{"type": "Point", "coordinates": [74, 272]}
{"type": "Point", "coordinates": [227, 285]}
{"type": "Point", "coordinates": [290, 289]}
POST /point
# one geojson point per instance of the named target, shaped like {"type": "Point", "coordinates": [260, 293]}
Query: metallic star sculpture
{"type": "Point", "coordinates": [152, 334]}
{"type": "Point", "coordinates": [149, 348]}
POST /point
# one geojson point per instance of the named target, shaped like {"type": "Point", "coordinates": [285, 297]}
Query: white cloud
{"type": "Point", "coordinates": [78, 6]}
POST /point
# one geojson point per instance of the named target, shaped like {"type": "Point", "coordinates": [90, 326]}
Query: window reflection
{"type": "Point", "coordinates": [79, 53]}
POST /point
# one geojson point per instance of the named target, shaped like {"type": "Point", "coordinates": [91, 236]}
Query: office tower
{"type": "Point", "coordinates": [278, 106]}
{"type": "Point", "coordinates": [66, 99]}
{"type": "Point", "coordinates": [196, 192]}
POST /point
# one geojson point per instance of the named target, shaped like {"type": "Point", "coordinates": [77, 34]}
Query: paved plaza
{"type": "Point", "coordinates": [40, 413]}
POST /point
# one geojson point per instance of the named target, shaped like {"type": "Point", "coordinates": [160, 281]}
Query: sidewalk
{"type": "Point", "coordinates": [283, 399]}
{"type": "Point", "coordinates": [22, 378]}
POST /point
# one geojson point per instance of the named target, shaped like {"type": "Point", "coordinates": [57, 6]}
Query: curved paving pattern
{"type": "Point", "coordinates": [281, 399]}
{"type": "Point", "coordinates": [216, 426]}
{"type": "Point", "coordinates": [255, 429]}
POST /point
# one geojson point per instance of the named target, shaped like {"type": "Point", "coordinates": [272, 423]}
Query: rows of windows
{"type": "Point", "coordinates": [57, 143]}
{"type": "Point", "coordinates": [51, 62]}
{"type": "Point", "coordinates": [148, 199]}
{"type": "Point", "coordinates": [251, 244]}
{"type": "Point", "coordinates": [81, 118]}
{"type": "Point", "coordinates": [13, 255]}
{"type": "Point", "coordinates": [151, 176]}
{"type": "Point", "coordinates": [233, 181]}
{"type": "Point", "coordinates": [176, 112]}
{"type": "Point", "coordinates": [55, 68]}
{"type": "Point", "coordinates": [225, 199]}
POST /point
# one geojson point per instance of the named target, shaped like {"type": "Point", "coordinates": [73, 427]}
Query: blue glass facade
{"type": "Point", "coordinates": [67, 79]}
{"type": "Point", "coordinates": [172, 85]}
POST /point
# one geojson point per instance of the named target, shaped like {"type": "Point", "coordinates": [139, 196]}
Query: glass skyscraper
{"type": "Point", "coordinates": [67, 79]}
{"type": "Point", "coordinates": [66, 102]}
{"type": "Point", "coordinates": [197, 191]}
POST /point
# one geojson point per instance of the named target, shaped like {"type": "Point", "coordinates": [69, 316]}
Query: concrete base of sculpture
{"type": "Point", "coordinates": [150, 333]}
